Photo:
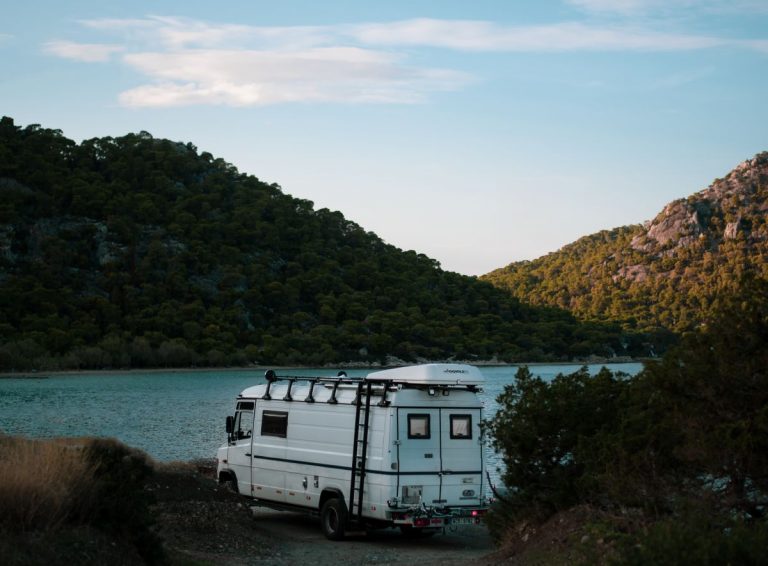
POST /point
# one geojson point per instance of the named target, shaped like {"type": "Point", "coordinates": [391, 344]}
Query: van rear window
{"type": "Point", "coordinates": [461, 426]}
{"type": "Point", "coordinates": [274, 423]}
{"type": "Point", "coordinates": [418, 426]}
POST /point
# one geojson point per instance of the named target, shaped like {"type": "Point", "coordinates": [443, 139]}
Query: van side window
{"type": "Point", "coordinates": [244, 420]}
{"type": "Point", "coordinates": [418, 426]}
{"type": "Point", "coordinates": [461, 426]}
{"type": "Point", "coordinates": [274, 423]}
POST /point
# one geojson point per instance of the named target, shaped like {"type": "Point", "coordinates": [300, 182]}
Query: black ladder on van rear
{"type": "Point", "coordinates": [360, 451]}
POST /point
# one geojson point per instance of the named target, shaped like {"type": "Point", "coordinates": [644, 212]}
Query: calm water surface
{"type": "Point", "coordinates": [174, 415]}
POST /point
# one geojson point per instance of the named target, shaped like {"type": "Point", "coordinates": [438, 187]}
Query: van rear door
{"type": "Point", "coordinates": [418, 448]}
{"type": "Point", "coordinates": [461, 456]}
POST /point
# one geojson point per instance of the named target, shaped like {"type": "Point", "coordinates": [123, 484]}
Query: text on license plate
{"type": "Point", "coordinates": [463, 521]}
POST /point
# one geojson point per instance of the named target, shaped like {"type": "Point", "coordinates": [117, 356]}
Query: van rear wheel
{"type": "Point", "coordinates": [333, 518]}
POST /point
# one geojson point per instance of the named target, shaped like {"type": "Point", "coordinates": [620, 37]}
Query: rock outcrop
{"type": "Point", "coordinates": [730, 208]}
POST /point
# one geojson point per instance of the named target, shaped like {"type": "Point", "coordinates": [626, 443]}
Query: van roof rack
{"type": "Point", "coordinates": [426, 376]}
{"type": "Point", "coordinates": [334, 382]}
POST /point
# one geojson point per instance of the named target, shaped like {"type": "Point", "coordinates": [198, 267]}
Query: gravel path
{"type": "Point", "coordinates": [299, 540]}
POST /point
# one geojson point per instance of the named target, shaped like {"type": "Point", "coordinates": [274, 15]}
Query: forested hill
{"type": "Point", "coordinates": [136, 252]}
{"type": "Point", "coordinates": [667, 273]}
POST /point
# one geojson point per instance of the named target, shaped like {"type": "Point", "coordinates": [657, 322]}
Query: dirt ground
{"type": "Point", "coordinates": [303, 543]}
{"type": "Point", "coordinates": [203, 523]}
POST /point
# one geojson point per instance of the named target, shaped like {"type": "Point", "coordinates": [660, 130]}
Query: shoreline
{"type": "Point", "coordinates": [41, 374]}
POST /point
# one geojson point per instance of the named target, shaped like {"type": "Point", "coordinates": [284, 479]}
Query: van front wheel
{"type": "Point", "coordinates": [333, 517]}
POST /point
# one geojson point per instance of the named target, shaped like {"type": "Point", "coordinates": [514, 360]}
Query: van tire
{"type": "Point", "coordinates": [333, 518]}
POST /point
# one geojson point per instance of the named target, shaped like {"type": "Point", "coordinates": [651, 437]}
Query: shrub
{"type": "Point", "coordinates": [121, 504]}
{"type": "Point", "coordinates": [695, 540]}
{"type": "Point", "coordinates": [690, 430]}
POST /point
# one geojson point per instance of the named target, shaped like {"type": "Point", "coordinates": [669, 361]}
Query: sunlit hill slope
{"type": "Point", "coordinates": [666, 273]}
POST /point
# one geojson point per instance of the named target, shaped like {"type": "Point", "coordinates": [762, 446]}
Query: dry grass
{"type": "Point", "coordinates": [86, 498]}
{"type": "Point", "coordinates": [43, 484]}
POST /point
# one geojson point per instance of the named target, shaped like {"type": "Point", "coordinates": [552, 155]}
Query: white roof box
{"type": "Point", "coordinates": [432, 374]}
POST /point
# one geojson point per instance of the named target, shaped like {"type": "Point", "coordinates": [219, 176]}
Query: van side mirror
{"type": "Point", "coordinates": [230, 424]}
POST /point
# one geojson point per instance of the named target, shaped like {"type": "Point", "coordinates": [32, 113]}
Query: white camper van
{"type": "Point", "coordinates": [399, 447]}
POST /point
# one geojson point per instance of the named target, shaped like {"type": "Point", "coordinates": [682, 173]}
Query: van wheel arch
{"type": "Point", "coordinates": [329, 493]}
{"type": "Point", "coordinates": [229, 480]}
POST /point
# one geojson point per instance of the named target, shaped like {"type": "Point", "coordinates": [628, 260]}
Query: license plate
{"type": "Point", "coordinates": [463, 521]}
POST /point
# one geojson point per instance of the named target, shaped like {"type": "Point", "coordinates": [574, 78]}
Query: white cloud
{"type": "Point", "coordinates": [189, 61]}
{"type": "Point", "coordinates": [86, 52]}
{"type": "Point", "coordinates": [262, 93]}
{"type": "Point", "coordinates": [487, 36]}
{"type": "Point", "coordinates": [245, 78]}
{"type": "Point", "coordinates": [193, 62]}
{"type": "Point", "coordinates": [634, 7]}
{"type": "Point", "coordinates": [758, 45]}
{"type": "Point", "coordinates": [467, 35]}
{"type": "Point", "coordinates": [179, 33]}
{"type": "Point", "coordinates": [320, 63]}
{"type": "Point", "coordinates": [623, 6]}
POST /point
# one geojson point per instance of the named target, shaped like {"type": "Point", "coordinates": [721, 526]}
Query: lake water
{"type": "Point", "coordinates": [175, 415]}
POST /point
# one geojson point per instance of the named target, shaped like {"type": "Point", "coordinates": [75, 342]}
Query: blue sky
{"type": "Point", "coordinates": [478, 133]}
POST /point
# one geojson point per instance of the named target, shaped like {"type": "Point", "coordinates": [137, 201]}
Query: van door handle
{"type": "Point", "coordinates": [248, 454]}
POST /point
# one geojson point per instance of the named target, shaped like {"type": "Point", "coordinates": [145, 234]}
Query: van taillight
{"type": "Point", "coordinates": [421, 522]}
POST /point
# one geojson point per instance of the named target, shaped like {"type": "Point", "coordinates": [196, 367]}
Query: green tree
{"type": "Point", "coordinates": [541, 428]}
{"type": "Point", "coordinates": [716, 383]}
